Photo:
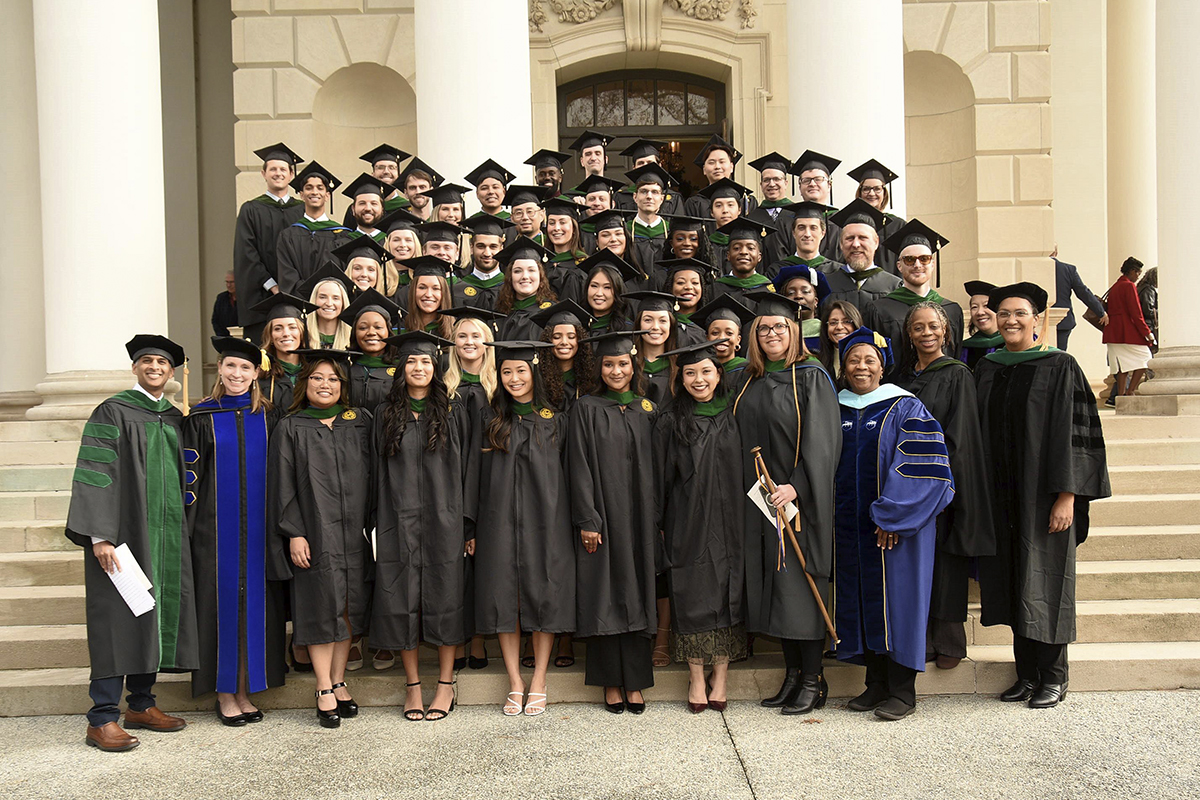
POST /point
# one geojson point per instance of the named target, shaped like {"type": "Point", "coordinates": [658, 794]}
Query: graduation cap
{"type": "Point", "coordinates": [873, 169]}
{"type": "Point", "coordinates": [145, 344]}
{"type": "Point", "coordinates": [773, 304]}
{"type": "Point", "coordinates": [610, 218]}
{"type": "Point", "coordinates": [518, 350]}
{"type": "Point", "coordinates": [400, 219]}
{"type": "Point", "coordinates": [916, 232]}
{"type": "Point", "coordinates": [715, 142]}
{"type": "Point", "coordinates": [520, 194]}
{"type": "Point", "coordinates": [724, 188]}
{"type": "Point", "coordinates": [650, 173]}
{"type": "Point", "coordinates": [614, 343]}
{"type": "Point", "coordinates": [371, 300]}
{"type": "Point", "coordinates": [283, 306]}
{"type": "Point", "coordinates": [807, 209]}
{"type": "Point", "coordinates": [641, 148]}
{"type": "Point", "coordinates": [654, 301]}
{"type": "Point", "coordinates": [523, 247]}
{"type": "Point", "coordinates": [811, 159]}
{"type": "Point", "coordinates": [866, 336]}
{"type": "Point", "coordinates": [435, 177]}
{"type": "Point", "coordinates": [426, 266]}
{"type": "Point", "coordinates": [772, 160]}
{"type": "Point", "coordinates": [674, 265]}
{"type": "Point", "coordinates": [368, 184]}
{"type": "Point", "coordinates": [486, 316]}
{"type": "Point", "coordinates": [1035, 294]}
{"type": "Point", "coordinates": [695, 353]}
{"type": "Point", "coordinates": [811, 274]}
{"type": "Point", "coordinates": [598, 183]}
{"type": "Point", "coordinates": [562, 207]}
{"type": "Point", "coordinates": [385, 152]}
{"type": "Point", "coordinates": [438, 231]}
{"type": "Point", "coordinates": [745, 228]}
{"type": "Point", "coordinates": [315, 170]}
{"type": "Point", "coordinates": [679, 222]}
{"type": "Point", "coordinates": [978, 287]}
{"type": "Point", "coordinates": [343, 357]}
{"type": "Point", "coordinates": [607, 258]}
{"type": "Point", "coordinates": [446, 193]}
{"type": "Point", "coordinates": [489, 169]}
{"type": "Point", "coordinates": [485, 224]}
{"type": "Point", "coordinates": [418, 343]}
{"type": "Point", "coordinates": [329, 272]}
{"type": "Point", "coordinates": [361, 247]}
{"type": "Point", "coordinates": [548, 158]}
{"type": "Point", "coordinates": [564, 312]}
{"type": "Point", "coordinates": [243, 349]}
{"type": "Point", "coordinates": [590, 139]}
{"type": "Point", "coordinates": [725, 307]}
{"type": "Point", "coordinates": [859, 212]}
{"type": "Point", "coordinates": [278, 152]}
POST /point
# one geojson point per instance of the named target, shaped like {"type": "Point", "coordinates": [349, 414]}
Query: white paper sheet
{"type": "Point", "coordinates": [131, 582]}
{"type": "Point", "coordinates": [759, 495]}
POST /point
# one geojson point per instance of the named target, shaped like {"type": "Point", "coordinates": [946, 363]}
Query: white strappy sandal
{"type": "Point", "coordinates": [532, 710]}
{"type": "Point", "coordinates": [511, 704]}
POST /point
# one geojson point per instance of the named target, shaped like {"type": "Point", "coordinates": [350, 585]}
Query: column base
{"type": "Point", "coordinates": [1175, 388]}
{"type": "Point", "coordinates": [75, 394]}
{"type": "Point", "coordinates": [13, 405]}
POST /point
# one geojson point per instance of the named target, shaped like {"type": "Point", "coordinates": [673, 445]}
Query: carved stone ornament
{"type": "Point", "coordinates": [716, 9]}
{"type": "Point", "coordinates": [579, 11]}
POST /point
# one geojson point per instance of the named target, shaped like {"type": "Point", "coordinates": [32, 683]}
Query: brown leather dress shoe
{"type": "Point", "coordinates": [110, 738]}
{"type": "Point", "coordinates": [947, 662]}
{"type": "Point", "coordinates": [153, 720]}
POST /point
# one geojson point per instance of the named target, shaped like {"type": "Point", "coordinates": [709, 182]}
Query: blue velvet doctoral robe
{"type": "Point", "coordinates": [894, 474]}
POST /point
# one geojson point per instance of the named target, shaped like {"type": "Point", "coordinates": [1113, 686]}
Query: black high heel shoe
{"type": "Point", "coordinates": [478, 663]}
{"type": "Point", "coordinates": [635, 708]}
{"type": "Point", "coordinates": [236, 721]}
{"type": "Point", "coordinates": [443, 713]}
{"type": "Point", "coordinates": [617, 707]}
{"type": "Point", "coordinates": [346, 708]}
{"type": "Point", "coordinates": [328, 719]}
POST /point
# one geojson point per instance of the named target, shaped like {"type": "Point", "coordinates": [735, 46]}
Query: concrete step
{"type": "Point", "coordinates": [1118, 427]}
{"type": "Point", "coordinates": [1149, 621]}
{"type": "Point", "coordinates": [1132, 452]}
{"type": "Point", "coordinates": [41, 431]}
{"type": "Point", "coordinates": [1142, 509]}
{"type": "Point", "coordinates": [41, 569]}
{"type": "Point", "coordinates": [43, 646]}
{"type": "Point", "coordinates": [42, 605]}
{"type": "Point", "coordinates": [63, 452]}
{"type": "Point", "coordinates": [1137, 580]}
{"type": "Point", "coordinates": [1126, 543]}
{"type": "Point", "coordinates": [34, 535]}
{"type": "Point", "coordinates": [1176, 479]}
{"type": "Point", "coordinates": [987, 670]}
{"type": "Point", "coordinates": [36, 477]}
{"type": "Point", "coordinates": [35, 505]}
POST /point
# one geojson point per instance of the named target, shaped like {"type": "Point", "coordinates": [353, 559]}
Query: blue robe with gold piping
{"type": "Point", "coordinates": [894, 474]}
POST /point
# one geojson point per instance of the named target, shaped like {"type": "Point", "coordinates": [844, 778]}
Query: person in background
{"type": "Point", "coordinates": [225, 315]}
{"type": "Point", "coordinates": [1148, 299]}
{"type": "Point", "coordinates": [1127, 335]}
{"type": "Point", "coordinates": [1066, 283]}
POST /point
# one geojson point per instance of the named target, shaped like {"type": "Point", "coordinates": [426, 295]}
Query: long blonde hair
{"type": "Point", "coordinates": [257, 401]}
{"type": "Point", "coordinates": [390, 275]}
{"type": "Point", "coordinates": [341, 338]}
{"type": "Point", "coordinates": [487, 373]}
{"type": "Point", "coordinates": [756, 365]}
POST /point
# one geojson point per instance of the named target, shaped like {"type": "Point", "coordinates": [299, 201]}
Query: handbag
{"type": "Point", "coordinates": [1092, 317]}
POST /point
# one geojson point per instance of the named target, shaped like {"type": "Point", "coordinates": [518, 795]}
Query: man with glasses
{"type": "Point", "coordinates": [815, 172]}
{"type": "Point", "coordinates": [917, 245]}
{"type": "Point", "coordinates": [773, 210]}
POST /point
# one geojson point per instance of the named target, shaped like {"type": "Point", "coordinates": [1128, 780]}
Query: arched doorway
{"type": "Point", "coordinates": [675, 107]}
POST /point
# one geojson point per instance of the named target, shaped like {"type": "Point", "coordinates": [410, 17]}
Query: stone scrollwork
{"type": "Point", "coordinates": [716, 9]}
{"type": "Point", "coordinates": [537, 16]}
{"type": "Point", "coordinates": [579, 11]}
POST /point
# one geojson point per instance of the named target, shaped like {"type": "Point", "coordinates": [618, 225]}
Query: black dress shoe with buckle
{"type": "Point", "coordinates": [346, 708]}
{"type": "Point", "coordinates": [1020, 691]}
{"type": "Point", "coordinates": [1048, 695]}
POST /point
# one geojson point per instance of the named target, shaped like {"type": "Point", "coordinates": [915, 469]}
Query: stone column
{"type": "Point", "coordinates": [100, 143]}
{"type": "Point", "coordinates": [1176, 385]}
{"type": "Point", "coordinates": [473, 55]}
{"type": "Point", "coordinates": [845, 62]}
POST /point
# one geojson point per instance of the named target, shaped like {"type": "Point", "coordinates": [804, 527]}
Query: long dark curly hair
{"type": "Point", "coordinates": [499, 429]}
{"type": "Point", "coordinates": [704, 251]}
{"type": "Point", "coordinates": [397, 412]}
{"type": "Point", "coordinates": [585, 369]}
{"type": "Point", "coordinates": [680, 410]}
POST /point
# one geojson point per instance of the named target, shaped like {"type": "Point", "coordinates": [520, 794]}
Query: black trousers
{"type": "Point", "coordinates": [946, 638]}
{"type": "Point", "coordinates": [1063, 337]}
{"type": "Point", "coordinates": [803, 653]}
{"type": "Point", "coordinates": [1040, 662]}
{"type": "Point", "coordinates": [106, 696]}
{"type": "Point", "coordinates": [899, 681]}
{"type": "Point", "coordinates": [622, 659]}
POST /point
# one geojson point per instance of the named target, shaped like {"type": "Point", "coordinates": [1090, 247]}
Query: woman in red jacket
{"type": "Point", "coordinates": [1128, 337]}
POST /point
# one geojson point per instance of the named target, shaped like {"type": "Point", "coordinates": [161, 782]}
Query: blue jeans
{"type": "Point", "coordinates": [106, 694]}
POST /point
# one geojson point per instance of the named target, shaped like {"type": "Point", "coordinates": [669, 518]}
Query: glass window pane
{"type": "Point", "coordinates": [670, 103]}
{"type": "Point", "coordinates": [610, 104]}
{"type": "Point", "coordinates": [641, 102]}
{"type": "Point", "coordinates": [579, 108]}
{"type": "Point", "coordinates": [702, 106]}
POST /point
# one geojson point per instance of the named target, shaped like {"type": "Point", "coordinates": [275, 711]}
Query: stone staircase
{"type": "Point", "coordinates": [1138, 590]}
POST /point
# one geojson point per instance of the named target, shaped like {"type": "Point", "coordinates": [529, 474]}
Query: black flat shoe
{"type": "Point", "coordinates": [893, 709]}
{"type": "Point", "coordinates": [299, 666]}
{"type": "Point", "coordinates": [1048, 695]}
{"type": "Point", "coordinates": [328, 719]}
{"type": "Point", "coordinates": [811, 696]}
{"type": "Point", "coordinates": [460, 663]}
{"type": "Point", "coordinates": [787, 691]}
{"type": "Point", "coordinates": [254, 716]}
{"type": "Point", "coordinates": [346, 708]}
{"type": "Point", "coordinates": [478, 663]}
{"type": "Point", "coordinates": [871, 699]}
{"type": "Point", "coordinates": [236, 721]}
{"type": "Point", "coordinates": [1019, 692]}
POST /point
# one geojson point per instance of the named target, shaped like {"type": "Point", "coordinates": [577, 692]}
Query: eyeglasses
{"type": "Point", "coordinates": [319, 380]}
{"type": "Point", "coordinates": [1019, 314]}
{"type": "Point", "coordinates": [871, 190]}
{"type": "Point", "coordinates": [816, 179]}
{"type": "Point", "coordinates": [772, 180]}
{"type": "Point", "coordinates": [912, 261]}
{"type": "Point", "coordinates": [778, 329]}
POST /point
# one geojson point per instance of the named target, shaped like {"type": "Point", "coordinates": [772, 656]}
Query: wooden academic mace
{"type": "Point", "coordinates": [762, 466]}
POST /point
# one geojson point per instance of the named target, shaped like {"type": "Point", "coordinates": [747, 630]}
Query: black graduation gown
{"type": "Point", "coordinates": [793, 415]}
{"type": "Point", "coordinates": [831, 242]}
{"type": "Point", "coordinates": [727, 285]}
{"type": "Point", "coordinates": [525, 554]}
{"type": "Point", "coordinates": [279, 390]}
{"type": "Point", "coordinates": [128, 489]}
{"type": "Point", "coordinates": [883, 256]}
{"type": "Point", "coordinates": [886, 315]}
{"type": "Point", "coordinates": [259, 223]}
{"type": "Point", "coordinates": [612, 492]}
{"type": "Point", "coordinates": [702, 516]}
{"type": "Point", "coordinates": [369, 386]}
{"type": "Point", "coordinates": [518, 325]}
{"type": "Point", "coordinates": [658, 383]}
{"type": "Point", "coordinates": [474, 398]}
{"type": "Point", "coordinates": [319, 488]}
{"type": "Point", "coordinates": [1041, 436]}
{"type": "Point", "coordinates": [239, 613]}
{"type": "Point", "coordinates": [859, 292]}
{"type": "Point", "coordinates": [300, 252]}
{"type": "Point", "coordinates": [423, 500]}
{"type": "Point", "coordinates": [479, 293]}
{"type": "Point", "coordinates": [779, 244]}
{"type": "Point", "coordinates": [965, 529]}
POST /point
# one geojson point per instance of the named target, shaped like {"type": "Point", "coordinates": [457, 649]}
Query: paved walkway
{"type": "Point", "coordinates": [1099, 745]}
